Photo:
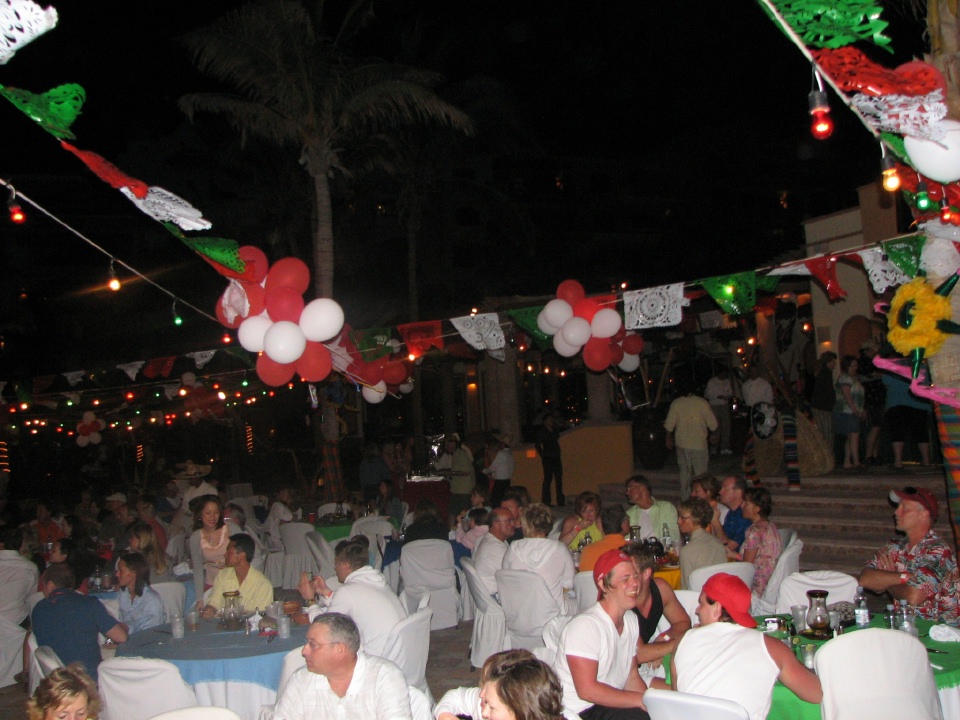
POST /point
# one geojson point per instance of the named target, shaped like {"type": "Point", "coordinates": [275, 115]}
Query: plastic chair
{"type": "Point", "coordinates": [787, 564]}
{"type": "Point", "coordinates": [322, 552]}
{"type": "Point", "coordinates": [787, 537]}
{"type": "Point", "coordinates": [420, 705]}
{"type": "Point", "coordinates": [329, 508]}
{"type": "Point", "coordinates": [174, 596]}
{"type": "Point", "coordinates": [793, 590]}
{"type": "Point", "coordinates": [670, 705]}
{"type": "Point", "coordinates": [689, 600]}
{"type": "Point", "coordinates": [489, 624]}
{"type": "Point", "coordinates": [11, 651]}
{"type": "Point", "coordinates": [176, 547]}
{"type": "Point", "coordinates": [743, 570]}
{"type": "Point", "coordinates": [376, 529]}
{"type": "Point", "coordinates": [551, 638]}
{"type": "Point", "coordinates": [408, 648]}
{"type": "Point", "coordinates": [527, 606]}
{"type": "Point", "coordinates": [198, 712]}
{"type": "Point", "coordinates": [876, 674]}
{"type": "Point", "coordinates": [428, 565]}
{"type": "Point", "coordinates": [297, 557]}
{"type": "Point", "coordinates": [133, 688]}
{"type": "Point", "coordinates": [585, 589]}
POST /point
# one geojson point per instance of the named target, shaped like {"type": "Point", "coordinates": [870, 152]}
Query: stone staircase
{"type": "Point", "coordinates": [841, 518]}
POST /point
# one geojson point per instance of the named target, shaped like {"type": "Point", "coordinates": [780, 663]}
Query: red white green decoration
{"type": "Point", "coordinates": [20, 22]}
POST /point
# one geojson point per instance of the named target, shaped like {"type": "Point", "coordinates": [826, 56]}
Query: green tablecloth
{"type": "Point", "coordinates": [334, 532]}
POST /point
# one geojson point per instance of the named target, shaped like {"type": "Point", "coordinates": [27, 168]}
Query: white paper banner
{"type": "Point", "coordinates": [482, 332]}
{"type": "Point", "coordinates": [882, 273]}
{"type": "Point", "coordinates": [131, 369]}
{"type": "Point", "coordinates": [163, 206]}
{"type": "Point", "coordinates": [74, 377]}
{"type": "Point", "coordinates": [22, 21]}
{"type": "Point", "coordinates": [201, 358]}
{"type": "Point", "coordinates": [654, 307]}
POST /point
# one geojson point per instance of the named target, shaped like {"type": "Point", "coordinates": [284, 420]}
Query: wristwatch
{"type": "Point", "coordinates": [903, 578]}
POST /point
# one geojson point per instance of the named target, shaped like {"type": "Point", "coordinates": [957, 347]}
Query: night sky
{"type": "Point", "coordinates": [675, 130]}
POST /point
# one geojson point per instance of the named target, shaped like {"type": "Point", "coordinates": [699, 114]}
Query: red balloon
{"type": "Point", "coordinates": [284, 303]}
{"type": "Point", "coordinates": [288, 272]}
{"type": "Point", "coordinates": [395, 372]}
{"type": "Point", "coordinates": [633, 344]}
{"type": "Point", "coordinates": [315, 363]}
{"type": "Point", "coordinates": [273, 373]}
{"type": "Point", "coordinates": [586, 309]}
{"type": "Point", "coordinates": [571, 291]}
{"type": "Point", "coordinates": [255, 263]}
{"type": "Point", "coordinates": [257, 299]}
{"type": "Point", "coordinates": [596, 354]}
{"type": "Point", "coordinates": [222, 318]}
{"type": "Point", "coordinates": [616, 353]}
{"type": "Point", "coordinates": [370, 372]}
{"type": "Point", "coordinates": [622, 333]}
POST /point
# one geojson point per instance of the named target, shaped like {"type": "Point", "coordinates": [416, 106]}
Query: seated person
{"type": "Point", "coordinates": [141, 607]}
{"type": "Point", "coordinates": [81, 560]}
{"type": "Point", "coordinates": [426, 524]}
{"type": "Point", "coordinates": [703, 549]}
{"type": "Point", "coordinates": [614, 526]}
{"type": "Point", "coordinates": [582, 523]}
{"type": "Point", "coordinates": [707, 487]}
{"type": "Point", "coordinates": [733, 491]}
{"type": "Point", "coordinates": [473, 525]}
{"type": "Point", "coordinates": [489, 552]}
{"type": "Point", "coordinates": [550, 559]}
{"type": "Point", "coordinates": [256, 591]}
{"type": "Point", "coordinates": [67, 693]}
{"type": "Point", "coordinates": [762, 543]}
{"type": "Point", "coordinates": [727, 658]}
{"type": "Point", "coordinates": [18, 576]}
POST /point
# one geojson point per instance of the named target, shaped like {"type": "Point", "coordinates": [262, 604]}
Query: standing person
{"type": "Point", "coordinates": [547, 444]}
{"type": "Point", "coordinates": [907, 417]}
{"type": "Point", "coordinates": [849, 410]}
{"type": "Point", "coordinates": [719, 393]}
{"type": "Point", "coordinates": [874, 398]}
{"type": "Point", "coordinates": [456, 465]}
{"type": "Point", "coordinates": [597, 656]}
{"type": "Point", "coordinates": [756, 389]}
{"type": "Point", "coordinates": [498, 462]}
{"type": "Point", "coordinates": [689, 424]}
{"type": "Point", "coordinates": [373, 470]}
{"type": "Point", "coordinates": [141, 607]}
{"type": "Point", "coordinates": [208, 543]}
{"type": "Point", "coordinates": [703, 549]}
{"type": "Point", "coordinates": [147, 512]}
{"type": "Point", "coordinates": [762, 544]}
{"type": "Point", "coordinates": [824, 396]}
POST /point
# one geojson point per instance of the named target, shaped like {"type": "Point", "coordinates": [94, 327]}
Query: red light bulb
{"type": "Point", "coordinates": [822, 126]}
{"type": "Point", "coordinates": [16, 212]}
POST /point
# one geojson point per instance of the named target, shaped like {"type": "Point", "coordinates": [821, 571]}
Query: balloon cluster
{"type": "Point", "coordinates": [379, 377]}
{"type": "Point", "coordinates": [577, 323]}
{"type": "Point", "coordinates": [88, 431]}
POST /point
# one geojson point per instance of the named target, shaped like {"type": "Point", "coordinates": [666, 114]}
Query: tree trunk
{"type": "Point", "coordinates": [943, 28]}
{"type": "Point", "coordinates": [323, 240]}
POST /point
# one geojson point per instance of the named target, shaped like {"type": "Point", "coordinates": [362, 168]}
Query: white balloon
{"type": "Point", "coordinates": [576, 331]}
{"type": "Point", "coordinates": [938, 160]}
{"type": "Point", "coordinates": [605, 323]}
{"type": "Point", "coordinates": [375, 394]}
{"type": "Point", "coordinates": [251, 332]}
{"type": "Point", "coordinates": [545, 327]}
{"type": "Point", "coordinates": [406, 388]}
{"type": "Point", "coordinates": [563, 348]}
{"type": "Point", "coordinates": [557, 312]}
{"type": "Point", "coordinates": [629, 363]}
{"type": "Point", "coordinates": [284, 342]}
{"type": "Point", "coordinates": [321, 319]}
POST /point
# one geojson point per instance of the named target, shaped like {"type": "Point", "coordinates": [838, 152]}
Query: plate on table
{"type": "Point", "coordinates": [817, 634]}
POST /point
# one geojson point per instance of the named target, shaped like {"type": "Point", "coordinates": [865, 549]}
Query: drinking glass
{"type": "Point", "coordinates": [799, 613]}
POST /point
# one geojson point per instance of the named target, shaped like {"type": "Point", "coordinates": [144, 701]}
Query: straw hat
{"type": "Point", "coordinates": [505, 438]}
{"type": "Point", "coordinates": [192, 470]}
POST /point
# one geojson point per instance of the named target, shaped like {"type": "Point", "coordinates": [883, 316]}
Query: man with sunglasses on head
{"type": "Point", "coordinates": [919, 568]}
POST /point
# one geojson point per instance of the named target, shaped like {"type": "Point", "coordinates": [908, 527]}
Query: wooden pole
{"type": "Point", "coordinates": [663, 377]}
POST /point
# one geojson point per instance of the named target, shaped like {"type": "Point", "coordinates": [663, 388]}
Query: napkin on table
{"type": "Point", "coordinates": [945, 633]}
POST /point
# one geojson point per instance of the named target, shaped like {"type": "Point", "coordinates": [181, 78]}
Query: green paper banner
{"type": "Point", "coordinates": [222, 251]}
{"type": "Point", "coordinates": [905, 253]}
{"type": "Point", "coordinates": [735, 294]}
{"type": "Point", "coordinates": [372, 342]}
{"type": "Point", "coordinates": [835, 23]}
{"type": "Point", "coordinates": [527, 319]}
{"type": "Point", "coordinates": [54, 110]}
{"type": "Point", "coordinates": [768, 283]}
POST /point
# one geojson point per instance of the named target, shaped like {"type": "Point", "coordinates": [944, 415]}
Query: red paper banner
{"type": "Point", "coordinates": [420, 337]}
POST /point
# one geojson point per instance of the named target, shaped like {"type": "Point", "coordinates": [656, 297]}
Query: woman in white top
{"type": "Point", "coordinates": [285, 509]}
{"type": "Point", "coordinates": [208, 543]}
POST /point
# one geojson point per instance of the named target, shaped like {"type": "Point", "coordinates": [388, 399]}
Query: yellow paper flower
{"type": "Point", "coordinates": [914, 313]}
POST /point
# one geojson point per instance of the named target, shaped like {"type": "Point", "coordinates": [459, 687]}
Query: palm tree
{"type": "Point", "coordinates": [296, 86]}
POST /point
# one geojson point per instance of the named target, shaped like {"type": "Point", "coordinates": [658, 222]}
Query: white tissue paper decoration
{"type": "Point", "coordinates": [132, 368]}
{"type": "Point", "coordinates": [939, 256]}
{"type": "Point", "coordinates": [21, 22]}
{"type": "Point", "coordinates": [793, 269]}
{"type": "Point", "coordinates": [235, 302]}
{"type": "Point", "coordinates": [882, 273]}
{"type": "Point", "coordinates": [654, 307]}
{"type": "Point", "coordinates": [74, 377]}
{"type": "Point", "coordinates": [163, 206]}
{"type": "Point", "coordinates": [914, 115]}
{"type": "Point", "coordinates": [201, 357]}
{"type": "Point", "coordinates": [483, 332]}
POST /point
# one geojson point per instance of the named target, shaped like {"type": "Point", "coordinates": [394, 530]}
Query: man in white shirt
{"type": "Point", "coordinates": [18, 577]}
{"type": "Point", "coordinates": [500, 467]}
{"type": "Point", "coordinates": [341, 682]}
{"type": "Point", "coordinates": [193, 475]}
{"type": "Point", "coordinates": [718, 393]}
{"type": "Point", "coordinates": [756, 389]}
{"type": "Point", "coordinates": [364, 595]}
{"type": "Point", "coordinates": [488, 555]}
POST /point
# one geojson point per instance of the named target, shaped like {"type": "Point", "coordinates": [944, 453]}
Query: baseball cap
{"type": "Point", "coordinates": [607, 562]}
{"type": "Point", "coordinates": [116, 497]}
{"type": "Point", "coordinates": [733, 594]}
{"type": "Point", "coordinates": [920, 495]}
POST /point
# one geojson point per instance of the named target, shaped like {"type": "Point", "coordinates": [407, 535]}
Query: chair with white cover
{"type": "Point", "coordinates": [787, 564]}
{"type": "Point", "coordinates": [322, 552]}
{"type": "Point", "coordinates": [788, 536]}
{"type": "Point", "coordinates": [420, 705]}
{"type": "Point", "coordinates": [551, 638]}
{"type": "Point", "coordinates": [527, 606]}
{"type": "Point", "coordinates": [408, 648]}
{"type": "Point", "coordinates": [671, 705]}
{"type": "Point", "coordinates": [174, 596]}
{"type": "Point", "coordinates": [292, 662]}
{"type": "Point", "coordinates": [134, 688]}
{"type": "Point", "coordinates": [554, 533]}
{"type": "Point", "coordinates": [297, 557]}
{"type": "Point", "coordinates": [47, 659]}
{"type": "Point", "coordinates": [408, 517]}
{"type": "Point", "coordinates": [11, 651]}
{"type": "Point", "coordinates": [489, 624]}
{"type": "Point", "coordinates": [198, 712]}
{"type": "Point", "coordinates": [248, 504]}
{"type": "Point", "coordinates": [585, 589]}
{"type": "Point", "coordinates": [36, 674]}
{"type": "Point", "coordinates": [329, 508]}
{"type": "Point", "coordinates": [176, 547]}
{"type": "Point", "coordinates": [689, 600]}
{"type": "Point", "coordinates": [743, 570]}
{"type": "Point", "coordinates": [840, 587]}
{"type": "Point", "coordinates": [377, 530]}
{"type": "Point", "coordinates": [428, 565]}
{"type": "Point", "coordinates": [412, 602]}
{"type": "Point", "coordinates": [876, 674]}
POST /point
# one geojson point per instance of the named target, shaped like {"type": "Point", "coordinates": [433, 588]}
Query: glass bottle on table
{"type": "Point", "coordinates": [860, 611]}
{"type": "Point", "coordinates": [818, 617]}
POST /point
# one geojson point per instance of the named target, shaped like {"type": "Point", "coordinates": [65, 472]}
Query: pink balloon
{"type": "Point", "coordinates": [571, 291]}
{"type": "Point", "coordinates": [273, 373]}
{"type": "Point", "coordinates": [288, 272]}
{"type": "Point", "coordinates": [586, 309]}
{"type": "Point", "coordinates": [284, 303]}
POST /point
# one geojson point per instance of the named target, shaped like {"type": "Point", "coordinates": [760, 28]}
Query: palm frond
{"type": "Point", "coordinates": [359, 15]}
{"type": "Point", "coordinates": [250, 118]}
{"type": "Point", "coordinates": [397, 102]}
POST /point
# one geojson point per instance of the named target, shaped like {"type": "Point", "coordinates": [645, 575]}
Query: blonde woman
{"type": "Point", "coordinates": [65, 694]}
{"type": "Point", "coordinates": [144, 540]}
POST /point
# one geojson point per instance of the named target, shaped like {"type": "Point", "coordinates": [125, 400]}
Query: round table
{"type": "Point", "coordinates": [334, 531]}
{"type": "Point", "coordinates": [226, 669]}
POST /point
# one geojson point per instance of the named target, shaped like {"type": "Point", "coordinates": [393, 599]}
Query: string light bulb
{"type": "Point", "coordinates": [822, 125]}
{"type": "Point", "coordinates": [922, 198]}
{"type": "Point", "coordinates": [114, 282]}
{"type": "Point", "coordinates": [177, 320]}
{"type": "Point", "coordinates": [888, 166]}
{"type": "Point", "coordinates": [17, 216]}
{"type": "Point", "coordinates": [946, 212]}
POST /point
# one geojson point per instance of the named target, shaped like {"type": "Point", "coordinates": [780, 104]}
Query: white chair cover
{"type": "Point", "coordinates": [551, 638]}
{"type": "Point", "coordinates": [787, 537]}
{"type": "Point", "coordinates": [238, 490]}
{"type": "Point", "coordinates": [586, 590]}
{"type": "Point", "coordinates": [249, 503]}
{"type": "Point", "coordinates": [133, 688]}
{"type": "Point", "coordinates": [742, 570]}
{"type": "Point", "coordinates": [489, 625]}
{"type": "Point", "coordinates": [47, 659]}
{"type": "Point", "coordinates": [467, 609]}
{"type": "Point", "coordinates": [421, 708]}
{"type": "Point", "coordinates": [322, 552]}
{"type": "Point", "coordinates": [177, 547]}
{"type": "Point", "coordinates": [408, 648]}
{"type": "Point", "coordinates": [689, 600]}
{"type": "Point", "coordinates": [11, 651]}
{"type": "Point", "coordinates": [292, 662]}
{"type": "Point", "coordinates": [554, 533]}
{"type": "Point", "coordinates": [297, 558]}
{"type": "Point", "coordinates": [260, 551]}
{"type": "Point", "coordinates": [174, 596]}
{"type": "Point", "coordinates": [793, 590]}
{"type": "Point", "coordinates": [671, 705]}
{"type": "Point", "coordinates": [36, 674]}
{"type": "Point", "coordinates": [527, 606]}
{"type": "Point", "coordinates": [273, 568]}
{"type": "Point", "coordinates": [412, 602]}
{"type": "Point", "coordinates": [32, 600]}
{"type": "Point", "coordinates": [328, 509]}
{"type": "Point", "coordinates": [428, 565]}
{"type": "Point", "coordinates": [787, 564]}
{"type": "Point", "coordinates": [407, 516]}
{"type": "Point", "coordinates": [376, 529]}
{"type": "Point", "coordinates": [876, 674]}
{"type": "Point", "coordinates": [200, 712]}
